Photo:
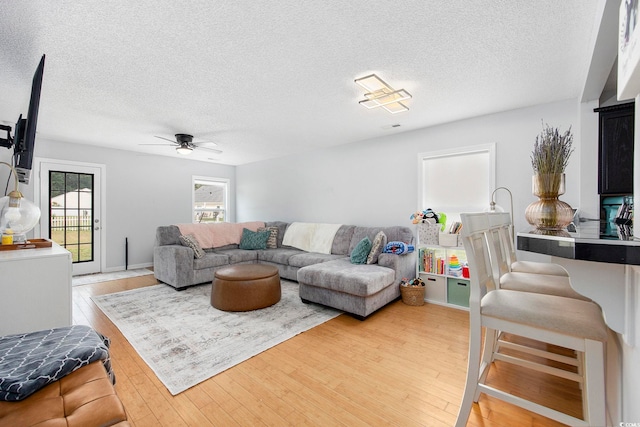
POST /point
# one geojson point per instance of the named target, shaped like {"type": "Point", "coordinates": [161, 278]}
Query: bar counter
{"type": "Point", "coordinates": [585, 244]}
{"type": "Point", "coordinates": [600, 267]}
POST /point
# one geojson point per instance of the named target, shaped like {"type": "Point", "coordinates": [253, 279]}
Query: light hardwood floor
{"type": "Point", "coordinates": [403, 366]}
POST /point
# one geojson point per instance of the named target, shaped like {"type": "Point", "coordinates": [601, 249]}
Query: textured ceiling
{"type": "Point", "coordinates": [266, 79]}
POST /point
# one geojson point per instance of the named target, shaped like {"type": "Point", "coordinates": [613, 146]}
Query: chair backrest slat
{"type": "Point", "coordinates": [475, 237]}
{"type": "Point", "coordinates": [498, 251]}
{"type": "Point", "coordinates": [500, 243]}
{"type": "Point", "coordinates": [507, 241]}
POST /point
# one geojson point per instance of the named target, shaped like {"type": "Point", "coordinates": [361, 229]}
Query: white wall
{"type": "Point", "coordinates": [374, 182]}
{"type": "Point", "coordinates": [142, 192]}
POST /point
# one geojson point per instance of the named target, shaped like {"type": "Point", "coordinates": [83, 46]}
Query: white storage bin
{"type": "Point", "coordinates": [436, 287]}
{"type": "Point", "coordinates": [446, 239]}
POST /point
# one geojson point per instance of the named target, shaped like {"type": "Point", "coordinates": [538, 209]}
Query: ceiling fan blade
{"type": "Point", "coordinates": [159, 144]}
{"type": "Point", "coordinates": [187, 142]}
{"type": "Point", "coordinates": [209, 149]}
{"type": "Point", "coordinates": [166, 139]}
{"type": "Point", "coordinates": [208, 143]}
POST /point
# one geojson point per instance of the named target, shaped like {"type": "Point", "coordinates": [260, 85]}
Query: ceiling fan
{"type": "Point", "coordinates": [184, 144]}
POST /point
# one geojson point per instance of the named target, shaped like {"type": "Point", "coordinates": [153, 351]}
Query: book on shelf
{"type": "Point", "coordinates": [431, 261]}
{"type": "Point", "coordinates": [454, 227]}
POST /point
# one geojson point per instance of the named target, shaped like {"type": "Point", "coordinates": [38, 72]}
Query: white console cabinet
{"type": "Point", "coordinates": [35, 289]}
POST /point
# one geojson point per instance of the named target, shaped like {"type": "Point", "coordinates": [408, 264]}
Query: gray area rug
{"type": "Point", "coordinates": [185, 341]}
{"type": "Point", "coordinates": [105, 277]}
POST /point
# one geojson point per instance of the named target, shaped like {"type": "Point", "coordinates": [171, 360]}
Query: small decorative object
{"type": "Point", "coordinates": [412, 291]}
{"type": "Point", "coordinates": [7, 237]}
{"type": "Point", "coordinates": [549, 160]}
{"type": "Point", "coordinates": [465, 271]}
{"type": "Point", "coordinates": [455, 269]}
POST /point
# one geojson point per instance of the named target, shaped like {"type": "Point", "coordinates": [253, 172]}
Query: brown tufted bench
{"type": "Point", "coordinates": [84, 398]}
{"type": "Point", "coordinates": [245, 287]}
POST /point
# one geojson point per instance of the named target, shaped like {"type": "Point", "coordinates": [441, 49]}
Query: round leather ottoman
{"type": "Point", "coordinates": [245, 287]}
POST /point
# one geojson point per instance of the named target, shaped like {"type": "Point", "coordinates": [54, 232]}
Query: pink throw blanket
{"type": "Point", "coordinates": [218, 234]}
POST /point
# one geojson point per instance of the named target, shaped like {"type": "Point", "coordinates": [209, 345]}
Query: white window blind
{"type": "Point", "coordinates": [457, 180]}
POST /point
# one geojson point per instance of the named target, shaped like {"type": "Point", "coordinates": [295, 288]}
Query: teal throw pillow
{"type": "Point", "coordinates": [254, 239]}
{"type": "Point", "coordinates": [361, 251]}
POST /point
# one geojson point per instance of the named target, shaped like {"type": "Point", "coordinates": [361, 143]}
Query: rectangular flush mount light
{"type": "Point", "coordinates": [380, 94]}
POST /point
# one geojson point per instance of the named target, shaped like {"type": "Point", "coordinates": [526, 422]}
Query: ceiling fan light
{"type": "Point", "coordinates": [184, 150]}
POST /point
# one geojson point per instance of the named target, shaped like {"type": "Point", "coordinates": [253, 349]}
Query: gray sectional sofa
{"type": "Point", "coordinates": [324, 278]}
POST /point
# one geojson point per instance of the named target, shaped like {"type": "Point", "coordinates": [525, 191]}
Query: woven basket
{"type": "Point", "coordinates": [412, 295]}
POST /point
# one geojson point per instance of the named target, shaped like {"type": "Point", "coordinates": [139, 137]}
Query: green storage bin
{"type": "Point", "coordinates": [458, 291]}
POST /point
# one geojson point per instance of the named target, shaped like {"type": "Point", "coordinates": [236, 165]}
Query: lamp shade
{"type": "Point", "coordinates": [17, 214]}
{"type": "Point", "coordinates": [185, 150]}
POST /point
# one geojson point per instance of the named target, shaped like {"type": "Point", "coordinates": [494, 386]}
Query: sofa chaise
{"type": "Point", "coordinates": [317, 256]}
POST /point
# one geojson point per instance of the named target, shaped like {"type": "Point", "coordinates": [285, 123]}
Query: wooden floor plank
{"type": "Point", "coordinates": [404, 365]}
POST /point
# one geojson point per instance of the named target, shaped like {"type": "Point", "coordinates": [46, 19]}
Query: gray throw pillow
{"type": "Point", "coordinates": [190, 241]}
{"type": "Point", "coordinates": [361, 251]}
{"type": "Point", "coordinates": [254, 239]}
{"type": "Point", "coordinates": [272, 241]}
{"type": "Point", "coordinates": [378, 244]}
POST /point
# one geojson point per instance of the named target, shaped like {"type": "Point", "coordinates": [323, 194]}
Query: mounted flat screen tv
{"type": "Point", "coordinates": [25, 133]}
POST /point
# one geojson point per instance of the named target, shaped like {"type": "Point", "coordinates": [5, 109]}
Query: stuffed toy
{"type": "Point", "coordinates": [430, 216]}
{"type": "Point", "coordinates": [398, 248]}
{"type": "Point", "coordinates": [427, 216]}
{"type": "Point", "coordinates": [442, 219]}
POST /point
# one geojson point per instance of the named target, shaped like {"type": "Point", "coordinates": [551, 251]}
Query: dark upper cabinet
{"type": "Point", "coordinates": [615, 149]}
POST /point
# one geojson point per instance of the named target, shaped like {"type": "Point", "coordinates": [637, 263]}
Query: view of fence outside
{"type": "Point", "coordinates": [76, 236]}
{"type": "Point", "coordinates": [71, 222]}
{"type": "Point", "coordinates": [209, 216]}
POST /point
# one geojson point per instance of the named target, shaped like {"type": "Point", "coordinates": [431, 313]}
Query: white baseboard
{"type": "Point", "coordinates": [130, 267]}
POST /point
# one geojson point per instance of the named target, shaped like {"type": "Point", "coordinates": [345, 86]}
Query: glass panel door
{"type": "Point", "coordinates": [72, 210]}
{"type": "Point", "coordinates": [71, 213]}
